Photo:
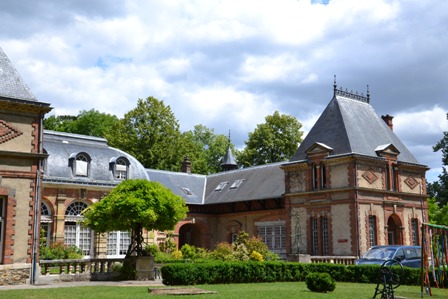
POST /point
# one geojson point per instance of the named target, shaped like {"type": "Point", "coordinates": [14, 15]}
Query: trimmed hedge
{"type": "Point", "coordinates": [246, 272]}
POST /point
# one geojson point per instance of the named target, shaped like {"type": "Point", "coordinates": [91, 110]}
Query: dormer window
{"type": "Point", "coordinates": [236, 184]}
{"type": "Point", "coordinates": [120, 168]}
{"type": "Point", "coordinates": [80, 164]}
{"type": "Point", "coordinates": [221, 186]}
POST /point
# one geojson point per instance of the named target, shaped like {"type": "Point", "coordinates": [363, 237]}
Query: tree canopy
{"type": "Point", "coordinates": [275, 140]}
{"type": "Point", "coordinates": [205, 149]}
{"type": "Point", "coordinates": [87, 122]}
{"type": "Point", "coordinates": [150, 132]}
{"type": "Point", "coordinates": [136, 205]}
{"type": "Point", "coordinates": [439, 189]}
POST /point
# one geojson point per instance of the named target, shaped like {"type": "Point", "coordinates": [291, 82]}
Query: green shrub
{"type": "Point", "coordinates": [59, 251]}
{"type": "Point", "coordinates": [152, 249]}
{"type": "Point", "coordinates": [320, 282]}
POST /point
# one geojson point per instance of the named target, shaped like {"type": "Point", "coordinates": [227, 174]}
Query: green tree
{"type": "Point", "coordinates": [136, 205]}
{"type": "Point", "coordinates": [87, 122]}
{"type": "Point", "coordinates": [439, 189]}
{"type": "Point", "coordinates": [150, 132]}
{"type": "Point", "coordinates": [437, 214]}
{"type": "Point", "coordinates": [62, 123]}
{"type": "Point", "coordinates": [275, 140]}
{"type": "Point", "coordinates": [205, 149]}
{"type": "Point", "coordinates": [93, 123]}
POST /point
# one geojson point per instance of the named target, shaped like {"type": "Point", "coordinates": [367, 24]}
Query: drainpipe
{"type": "Point", "coordinates": [357, 210]}
{"type": "Point", "coordinates": [36, 237]}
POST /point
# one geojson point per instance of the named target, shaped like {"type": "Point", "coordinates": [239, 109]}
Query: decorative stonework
{"type": "Point", "coordinates": [411, 182]}
{"type": "Point", "coordinates": [8, 132]}
{"type": "Point", "coordinates": [369, 176]}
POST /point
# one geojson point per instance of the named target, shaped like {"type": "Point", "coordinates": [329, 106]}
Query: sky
{"type": "Point", "coordinates": [228, 64]}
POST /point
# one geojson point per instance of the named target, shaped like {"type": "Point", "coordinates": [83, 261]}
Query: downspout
{"type": "Point", "coordinates": [357, 210]}
{"type": "Point", "coordinates": [36, 232]}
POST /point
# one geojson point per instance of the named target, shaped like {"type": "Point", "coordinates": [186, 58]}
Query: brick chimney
{"type": "Point", "coordinates": [388, 120]}
{"type": "Point", "coordinates": [186, 165]}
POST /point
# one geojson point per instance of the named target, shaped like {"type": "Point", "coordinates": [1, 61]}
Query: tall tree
{"type": "Point", "coordinates": [275, 140]}
{"type": "Point", "coordinates": [136, 205]}
{"type": "Point", "coordinates": [87, 122]}
{"type": "Point", "coordinates": [439, 189]}
{"type": "Point", "coordinates": [150, 132]}
{"type": "Point", "coordinates": [206, 149]}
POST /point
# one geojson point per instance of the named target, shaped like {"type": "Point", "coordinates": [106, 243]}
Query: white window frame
{"type": "Point", "coordinates": [273, 234]}
{"type": "Point", "coordinates": [74, 232]}
{"type": "Point", "coordinates": [118, 243]}
{"type": "Point", "coordinates": [372, 230]}
{"type": "Point", "coordinates": [121, 169]}
{"type": "Point", "coordinates": [46, 222]}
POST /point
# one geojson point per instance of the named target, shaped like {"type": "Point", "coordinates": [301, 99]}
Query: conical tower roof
{"type": "Point", "coordinates": [11, 84]}
{"type": "Point", "coordinates": [228, 162]}
{"type": "Point", "coordinates": [349, 125]}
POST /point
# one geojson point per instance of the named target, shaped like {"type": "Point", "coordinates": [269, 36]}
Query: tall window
{"type": "Point", "coordinates": [372, 231]}
{"type": "Point", "coordinates": [273, 234]}
{"type": "Point", "coordinates": [315, 236]}
{"type": "Point", "coordinates": [121, 169]}
{"type": "Point", "coordinates": [118, 243]}
{"type": "Point", "coordinates": [319, 174]}
{"type": "Point", "coordinates": [324, 229]}
{"type": "Point", "coordinates": [46, 221]}
{"type": "Point", "coordinates": [414, 231]}
{"type": "Point", "coordinates": [75, 234]}
{"type": "Point", "coordinates": [2, 225]}
{"type": "Point", "coordinates": [323, 176]}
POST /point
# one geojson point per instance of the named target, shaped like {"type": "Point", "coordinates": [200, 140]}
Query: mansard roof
{"type": "Point", "coordinates": [11, 84]}
{"type": "Point", "coordinates": [61, 147]}
{"type": "Point", "coordinates": [349, 125]}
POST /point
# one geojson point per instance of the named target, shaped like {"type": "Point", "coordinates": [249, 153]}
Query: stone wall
{"type": "Point", "coordinates": [14, 274]}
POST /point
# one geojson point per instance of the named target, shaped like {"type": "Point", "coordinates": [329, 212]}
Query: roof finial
{"type": "Point", "coordinates": [334, 86]}
{"type": "Point", "coordinates": [368, 94]}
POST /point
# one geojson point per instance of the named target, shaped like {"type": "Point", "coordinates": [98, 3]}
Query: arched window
{"type": "Point", "coordinates": [80, 164]}
{"type": "Point", "coordinates": [46, 222]}
{"type": "Point", "coordinates": [75, 234]}
{"type": "Point", "coordinates": [121, 169]}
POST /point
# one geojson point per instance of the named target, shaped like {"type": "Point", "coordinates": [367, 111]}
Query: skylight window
{"type": "Point", "coordinates": [187, 191]}
{"type": "Point", "coordinates": [236, 184]}
{"type": "Point", "coordinates": [221, 186]}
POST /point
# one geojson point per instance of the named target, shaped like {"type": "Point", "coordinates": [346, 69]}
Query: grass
{"type": "Point", "coordinates": [281, 290]}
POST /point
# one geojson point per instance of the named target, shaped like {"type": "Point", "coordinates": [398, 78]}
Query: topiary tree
{"type": "Point", "coordinates": [136, 205]}
{"type": "Point", "coordinates": [320, 282]}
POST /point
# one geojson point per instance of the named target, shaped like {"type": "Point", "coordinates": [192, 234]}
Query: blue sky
{"type": "Point", "coordinates": [228, 64]}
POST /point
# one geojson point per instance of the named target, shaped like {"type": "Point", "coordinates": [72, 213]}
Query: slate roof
{"type": "Point", "coordinates": [349, 125]}
{"type": "Point", "coordinates": [258, 182]}
{"type": "Point", "coordinates": [228, 159]}
{"type": "Point", "coordinates": [189, 186]}
{"type": "Point", "coordinates": [60, 146]}
{"type": "Point", "coordinates": [11, 84]}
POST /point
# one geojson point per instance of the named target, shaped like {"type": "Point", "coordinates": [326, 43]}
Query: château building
{"type": "Point", "coordinates": [350, 185]}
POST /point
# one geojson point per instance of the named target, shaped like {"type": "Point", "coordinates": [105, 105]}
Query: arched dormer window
{"type": "Point", "coordinates": [120, 168]}
{"type": "Point", "coordinates": [80, 164]}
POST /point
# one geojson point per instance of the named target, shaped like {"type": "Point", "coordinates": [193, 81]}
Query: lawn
{"type": "Point", "coordinates": [281, 290]}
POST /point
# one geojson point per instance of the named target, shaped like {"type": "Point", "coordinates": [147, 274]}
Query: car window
{"type": "Point", "coordinates": [413, 253]}
{"type": "Point", "coordinates": [400, 255]}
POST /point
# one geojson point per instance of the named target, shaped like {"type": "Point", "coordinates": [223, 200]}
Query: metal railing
{"type": "Point", "coordinates": [343, 260]}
